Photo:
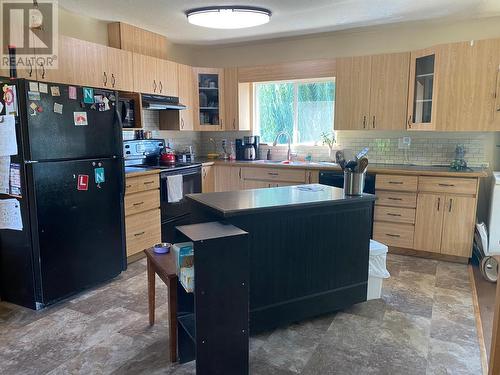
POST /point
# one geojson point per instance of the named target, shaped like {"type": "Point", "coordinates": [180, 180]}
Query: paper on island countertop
{"type": "Point", "coordinates": [312, 188]}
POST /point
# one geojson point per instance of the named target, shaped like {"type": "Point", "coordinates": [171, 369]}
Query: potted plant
{"type": "Point", "coordinates": [329, 140]}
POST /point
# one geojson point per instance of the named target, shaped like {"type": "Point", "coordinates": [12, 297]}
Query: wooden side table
{"type": "Point", "coordinates": [164, 266]}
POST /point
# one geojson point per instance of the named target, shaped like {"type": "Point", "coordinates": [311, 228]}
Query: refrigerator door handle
{"type": "Point", "coordinates": [31, 161]}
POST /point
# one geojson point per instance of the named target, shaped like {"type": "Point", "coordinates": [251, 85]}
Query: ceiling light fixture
{"type": "Point", "coordinates": [228, 17]}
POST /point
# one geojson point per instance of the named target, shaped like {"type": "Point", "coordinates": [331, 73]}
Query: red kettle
{"type": "Point", "coordinates": [167, 156]}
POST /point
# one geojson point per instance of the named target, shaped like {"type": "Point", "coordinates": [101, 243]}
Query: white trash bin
{"type": "Point", "coordinates": [377, 270]}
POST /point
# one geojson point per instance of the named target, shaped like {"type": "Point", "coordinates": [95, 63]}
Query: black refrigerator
{"type": "Point", "coordinates": [70, 162]}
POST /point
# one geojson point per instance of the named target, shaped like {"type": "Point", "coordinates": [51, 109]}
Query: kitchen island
{"type": "Point", "coordinates": [309, 248]}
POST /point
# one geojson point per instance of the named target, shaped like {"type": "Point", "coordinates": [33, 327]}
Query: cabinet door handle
{"type": "Point", "coordinates": [234, 123]}
{"type": "Point", "coordinates": [182, 123]}
{"type": "Point", "coordinates": [364, 122]}
{"type": "Point", "coordinates": [409, 122]}
{"type": "Point", "coordinates": [439, 203]}
{"type": "Point", "coordinates": [272, 173]}
{"type": "Point", "coordinates": [161, 87]}
{"type": "Point", "coordinates": [154, 85]}
{"type": "Point", "coordinates": [394, 199]}
{"type": "Point", "coordinates": [138, 203]}
{"type": "Point", "coordinates": [221, 123]}
{"type": "Point", "coordinates": [393, 235]}
{"type": "Point", "coordinates": [139, 234]}
{"type": "Point", "coordinates": [148, 182]}
{"type": "Point", "coordinates": [391, 214]}
{"type": "Point", "coordinates": [396, 182]}
{"type": "Point", "coordinates": [239, 173]}
{"type": "Point", "coordinates": [310, 177]}
{"type": "Point", "coordinates": [105, 78]}
{"type": "Point", "coordinates": [451, 203]}
{"type": "Point", "coordinates": [128, 186]}
{"type": "Point", "coordinates": [373, 122]}
{"type": "Point", "coordinates": [113, 80]}
{"type": "Point", "coordinates": [446, 185]}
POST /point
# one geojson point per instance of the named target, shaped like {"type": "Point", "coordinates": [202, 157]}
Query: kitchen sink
{"type": "Point", "coordinates": [286, 162]}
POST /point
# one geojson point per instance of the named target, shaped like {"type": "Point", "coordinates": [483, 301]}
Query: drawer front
{"type": "Point", "coordinates": [274, 174]}
{"type": "Point", "coordinates": [142, 183]}
{"type": "Point", "coordinates": [396, 199]}
{"type": "Point", "coordinates": [142, 231]}
{"type": "Point", "coordinates": [392, 234]}
{"type": "Point", "coordinates": [395, 214]}
{"type": "Point", "coordinates": [140, 202]}
{"type": "Point", "coordinates": [448, 185]}
{"type": "Point", "coordinates": [396, 182]}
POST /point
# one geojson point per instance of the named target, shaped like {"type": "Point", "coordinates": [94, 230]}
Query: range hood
{"type": "Point", "coordinates": [159, 102]}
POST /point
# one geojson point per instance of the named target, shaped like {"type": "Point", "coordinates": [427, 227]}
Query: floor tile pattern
{"type": "Point", "coordinates": [423, 324]}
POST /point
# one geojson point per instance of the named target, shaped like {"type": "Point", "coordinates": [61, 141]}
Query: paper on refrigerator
{"type": "Point", "coordinates": [10, 214]}
{"type": "Point", "coordinates": [8, 140]}
{"type": "Point", "coordinates": [4, 174]}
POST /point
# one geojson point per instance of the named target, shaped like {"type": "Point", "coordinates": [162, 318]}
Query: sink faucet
{"type": "Point", "coordinates": [289, 152]}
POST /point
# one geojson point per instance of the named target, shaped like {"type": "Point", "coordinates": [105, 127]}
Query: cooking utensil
{"type": "Point", "coordinates": [351, 165]}
{"type": "Point", "coordinates": [340, 159]}
{"type": "Point", "coordinates": [362, 165]}
{"type": "Point", "coordinates": [362, 153]}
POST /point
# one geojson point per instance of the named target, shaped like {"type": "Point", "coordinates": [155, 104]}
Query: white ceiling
{"type": "Point", "coordinates": [290, 17]}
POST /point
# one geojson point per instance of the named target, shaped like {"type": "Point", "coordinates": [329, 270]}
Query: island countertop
{"type": "Point", "coordinates": [242, 202]}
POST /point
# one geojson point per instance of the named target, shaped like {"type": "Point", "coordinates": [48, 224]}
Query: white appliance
{"type": "Point", "coordinates": [494, 218]}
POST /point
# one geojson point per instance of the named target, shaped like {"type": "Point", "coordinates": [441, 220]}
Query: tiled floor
{"type": "Point", "coordinates": [424, 324]}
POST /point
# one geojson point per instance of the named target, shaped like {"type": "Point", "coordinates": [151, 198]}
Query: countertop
{"type": "Point", "coordinates": [242, 202]}
{"type": "Point", "coordinates": [407, 169]}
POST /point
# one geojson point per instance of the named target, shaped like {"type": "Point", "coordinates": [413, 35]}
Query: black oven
{"type": "Point", "coordinates": [178, 213]}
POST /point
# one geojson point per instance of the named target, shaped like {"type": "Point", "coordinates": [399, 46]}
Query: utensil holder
{"type": "Point", "coordinates": [354, 182]}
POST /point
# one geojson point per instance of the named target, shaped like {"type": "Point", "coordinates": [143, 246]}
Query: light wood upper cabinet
{"type": "Point", "coordinates": [371, 92]}
{"type": "Point", "coordinates": [389, 91]}
{"type": "Point", "coordinates": [144, 74]}
{"type": "Point", "coordinates": [422, 90]}
{"type": "Point", "coordinates": [352, 96]}
{"type": "Point", "coordinates": [119, 65]}
{"type": "Point", "coordinates": [186, 96]}
{"type": "Point", "coordinates": [155, 76]}
{"type": "Point", "coordinates": [209, 99]}
{"type": "Point", "coordinates": [80, 63]}
{"type": "Point", "coordinates": [458, 225]}
{"type": "Point", "coordinates": [468, 92]}
{"type": "Point", "coordinates": [231, 98]}
{"type": "Point", "coordinates": [167, 78]}
{"type": "Point", "coordinates": [429, 222]}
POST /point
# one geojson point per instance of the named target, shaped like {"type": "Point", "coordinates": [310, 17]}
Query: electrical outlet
{"type": "Point", "coordinates": [404, 143]}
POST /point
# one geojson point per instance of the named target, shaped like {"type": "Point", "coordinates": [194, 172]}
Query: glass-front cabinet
{"type": "Point", "coordinates": [421, 95]}
{"type": "Point", "coordinates": [210, 99]}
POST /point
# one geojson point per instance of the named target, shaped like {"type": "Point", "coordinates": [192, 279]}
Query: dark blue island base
{"type": "Point", "coordinates": [308, 249]}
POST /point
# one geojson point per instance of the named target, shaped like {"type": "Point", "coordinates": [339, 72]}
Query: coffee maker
{"type": "Point", "coordinates": [247, 148]}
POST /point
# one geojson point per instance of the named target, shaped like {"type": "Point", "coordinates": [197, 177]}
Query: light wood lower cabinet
{"type": "Point", "coordinates": [208, 179]}
{"type": "Point", "coordinates": [142, 212]}
{"type": "Point", "coordinates": [143, 230]}
{"type": "Point", "coordinates": [445, 224]}
{"type": "Point", "coordinates": [432, 214]}
{"type": "Point", "coordinates": [227, 178]}
{"type": "Point", "coordinates": [429, 222]}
